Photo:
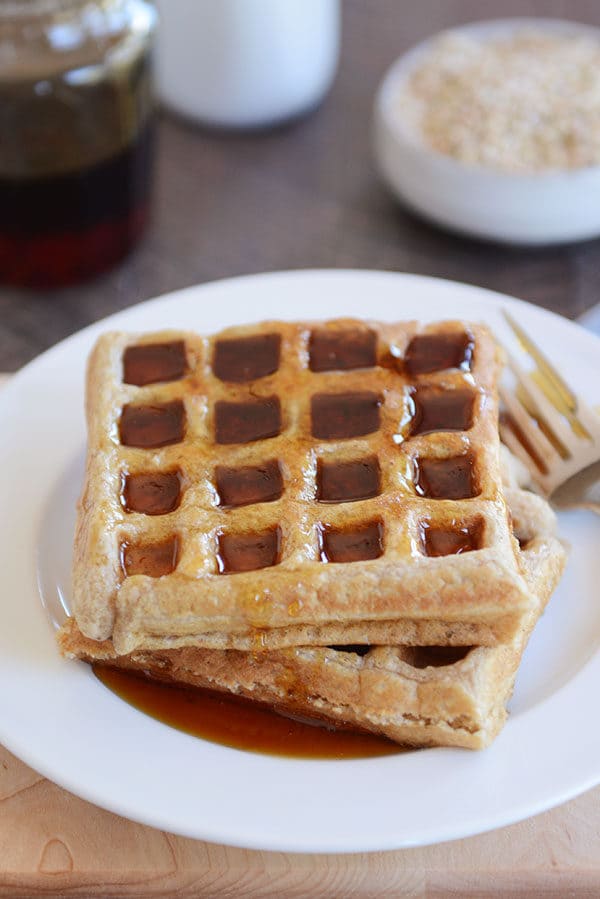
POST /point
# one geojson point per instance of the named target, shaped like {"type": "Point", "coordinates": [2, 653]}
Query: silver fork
{"type": "Point", "coordinates": [551, 429]}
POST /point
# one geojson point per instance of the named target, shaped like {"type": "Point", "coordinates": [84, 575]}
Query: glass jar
{"type": "Point", "coordinates": [75, 136]}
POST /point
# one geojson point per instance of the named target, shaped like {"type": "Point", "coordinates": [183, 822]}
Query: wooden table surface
{"type": "Point", "coordinates": [301, 196]}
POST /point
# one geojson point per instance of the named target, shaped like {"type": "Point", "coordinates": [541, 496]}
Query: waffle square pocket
{"type": "Point", "coordinates": [287, 484]}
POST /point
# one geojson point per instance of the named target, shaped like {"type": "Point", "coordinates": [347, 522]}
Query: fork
{"type": "Point", "coordinates": [551, 429]}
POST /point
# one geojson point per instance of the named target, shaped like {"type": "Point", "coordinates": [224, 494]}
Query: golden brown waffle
{"type": "Point", "coordinates": [451, 696]}
{"type": "Point", "coordinates": [352, 466]}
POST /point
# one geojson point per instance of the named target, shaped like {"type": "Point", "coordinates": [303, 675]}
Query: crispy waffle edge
{"type": "Point", "coordinates": [461, 704]}
{"type": "Point", "coordinates": [175, 611]}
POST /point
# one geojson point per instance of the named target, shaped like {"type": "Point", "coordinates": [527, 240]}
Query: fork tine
{"type": "Point", "coordinates": [539, 423]}
{"type": "Point", "coordinates": [542, 408]}
{"type": "Point", "coordinates": [546, 425]}
{"type": "Point", "coordinates": [544, 364]}
{"type": "Point", "coordinates": [521, 435]}
{"type": "Point", "coordinates": [551, 382]}
{"type": "Point", "coordinates": [575, 421]}
{"type": "Point", "coordinates": [538, 479]}
{"type": "Point", "coordinates": [590, 420]}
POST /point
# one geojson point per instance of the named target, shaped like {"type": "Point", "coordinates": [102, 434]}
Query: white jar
{"type": "Point", "coordinates": [246, 63]}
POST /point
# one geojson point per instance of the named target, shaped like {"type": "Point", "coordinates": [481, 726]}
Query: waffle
{"type": "Point", "coordinates": [296, 484]}
{"type": "Point", "coordinates": [420, 696]}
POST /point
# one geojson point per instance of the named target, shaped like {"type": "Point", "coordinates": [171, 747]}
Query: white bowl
{"type": "Point", "coordinates": [545, 208]}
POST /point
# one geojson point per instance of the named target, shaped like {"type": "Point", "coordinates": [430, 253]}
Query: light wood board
{"type": "Point", "coordinates": [54, 844]}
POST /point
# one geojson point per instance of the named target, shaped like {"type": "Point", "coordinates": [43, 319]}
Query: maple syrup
{"type": "Point", "coordinates": [248, 420]}
{"type": "Point", "coordinates": [247, 358]}
{"type": "Point", "coordinates": [346, 482]}
{"type": "Point", "coordinates": [152, 426]}
{"type": "Point", "coordinates": [338, 416]}
{"type": "Point", "coordinates": [342, 350]}
{"type": "Point", "coordinates": [153, 363]}
{"type": "Point", "coordinates": [240, 723]}
{"type": "Point", "coordinates": [436, 409]}
{"type": "Point", "coordinates": [437, 352]}
{"type": "Point", "coordinates": [150, 559]}
{"type": "Point", "coordinates": [441, 541]}
{"type": "Point", "coordinates": [59, 229]}
{"type": "Point", "coordinates": [155, 493]}
{"type": "Point", "coordinates": [76, 123]}
{"type": "Point", "coordinates": [249, 552]}
{"type": "Point", "coordinates": [452, 478]}
{"type": "Point", "coordinates": [249, 484]}
{"type": "Point", "coordinates": [357, 544]}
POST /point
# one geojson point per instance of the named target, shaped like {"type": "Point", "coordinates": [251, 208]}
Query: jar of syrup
{"type": "Point", "coordinates": [75, 136]}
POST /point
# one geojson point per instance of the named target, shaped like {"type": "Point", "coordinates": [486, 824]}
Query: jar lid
{"type": "Point", "coordinates": [16, 9]}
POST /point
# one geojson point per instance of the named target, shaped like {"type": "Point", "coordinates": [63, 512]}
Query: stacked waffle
{"type": "Point", "coordinates": [313, 515]}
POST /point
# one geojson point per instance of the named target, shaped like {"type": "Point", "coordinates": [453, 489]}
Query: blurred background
{"type": "Point", "coordinates": [301, 193]}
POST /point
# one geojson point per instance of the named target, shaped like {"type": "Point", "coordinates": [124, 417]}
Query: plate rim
{"type": "Point", "coordinates": [229, 838]}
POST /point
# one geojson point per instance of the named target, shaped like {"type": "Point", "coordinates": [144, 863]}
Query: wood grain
{"type": "Point", "coordinates": [302, 196]}
{"type": "Point", "coordinates": [52, 843]}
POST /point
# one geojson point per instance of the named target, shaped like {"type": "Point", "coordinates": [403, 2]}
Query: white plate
{"type": "Point", "coordinates": [59, 719]}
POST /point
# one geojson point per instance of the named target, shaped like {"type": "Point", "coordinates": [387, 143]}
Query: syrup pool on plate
{"type": "Point", "coordinates": [240, 723]}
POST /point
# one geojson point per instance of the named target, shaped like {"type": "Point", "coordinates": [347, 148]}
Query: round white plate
{"type": "Point", "coordinates": [59, 719]}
